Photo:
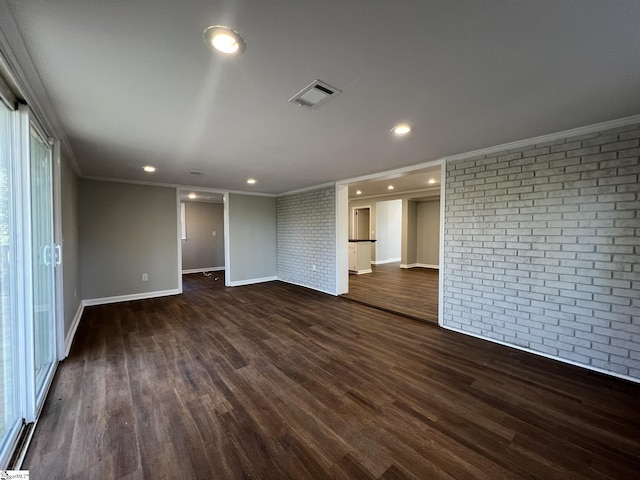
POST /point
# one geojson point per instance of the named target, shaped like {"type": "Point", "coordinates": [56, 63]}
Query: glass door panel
{"type": "Point", "coordinates": [10, 414]}
{"type": "Point", "coordinates": [43, 262]}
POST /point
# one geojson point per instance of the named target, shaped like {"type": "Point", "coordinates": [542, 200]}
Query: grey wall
{"type": "Point", "coordinates": [542, 249]}
{"type": "Point", "coordinates": [127, 230]}
{"type": "Point", "coordinates": [428, 223]}
{"type": "Point", "coordinates": [70, 243]}
{"type": "Point", "coordinates": [306, 237]}
{"type": "Point", "coordinates": [252, 237]}
{"type": "Point", "coordinates": [201, 249]}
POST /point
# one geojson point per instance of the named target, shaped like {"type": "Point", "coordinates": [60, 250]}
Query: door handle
{"type": "Point", "coordinates": [46, 255]}
{"type": "Point", "coordinates": [58, 255]}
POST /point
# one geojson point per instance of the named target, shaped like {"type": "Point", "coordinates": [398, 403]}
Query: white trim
{"type": "Point", "coordinates": [409, 265]}
{"type": "Point", "coordinates": [251, 281]}
{"type": "Point", "coordinates": [399, 195]}
{"type": "Point", "coordinates": [173, 185]}
{"type": "Point", "coordinates": [71, 334]}
{"type": "Point", "coordinates": [443, 181]}
{"type": "Point", "coordinates": [388, 260]}
{"type": "Point", "coordinates": [342, 237]}
{"type": "Point", "coordinates": [426, 265]}
{"type": "Point", "coordinates": [181, 227]}
{"type": "Point", "coordinates": [333, 294]}
{"type": "Point", "coordinates": [202, 270]}
{"type": "Point", "coordinates": [227, 245]}
{"type": "Point", "coordinates": [127, 298]}
{"type": "Point", "coordinates": [58, 241]}
{"type": "Point", "coordinates": [379, 175]}
{"type": "Point", "coordinates": [360, 272]}
{"type": "Point", "coordinates": [353, 233]}
{"type": "Point", "coordinates": [621, 122]}
{"type": "Point", "coordinates": [305, 189]}
{"type": "Point", "coordinates": [542, 354]}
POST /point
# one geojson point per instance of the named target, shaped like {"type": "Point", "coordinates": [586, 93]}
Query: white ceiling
{"type": "Point", "coordinates": [132, 82]}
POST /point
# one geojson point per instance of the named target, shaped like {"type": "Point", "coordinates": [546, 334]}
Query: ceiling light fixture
{"type": "Point", "coordinates": [401, 129]}
{"type": "Point", "coordinates": [252, 181]}
{"type": "Point", "coordinates": [432, 181]}
{"type": "Point", "coordinates": [358, 192]}
{"type": "Point", "coordinates": [224, 40]}
{"type": "Point", "coordinates": [192, 195]}
{"type": "Point", "coordinates": [149, 168]}
{"type": "Point", "coordinates": [390, 187]}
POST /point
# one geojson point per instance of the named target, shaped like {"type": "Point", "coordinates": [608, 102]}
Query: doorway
{"type": "Point", "coordinates": [409, 282]}
{"type": "Point", "coordinates": [202, 239]}
{"type": "Point", "coordinates": [362, 223]}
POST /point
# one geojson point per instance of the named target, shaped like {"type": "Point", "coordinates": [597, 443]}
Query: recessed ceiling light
{"type": "Point", "coordinates": [149, 168]}
{"type": "Point", "coordinates": [224, 40]}
{"type": "Point", "coordinates": [401, 129]}
{"type": "Point", "coordinates": [432, 180]}
{"type": "Point", "coordinates": [390, 187]}
{"type": "Point", "coordinates": [358, 192]}
{"type": "Point", "coordinates": [252, 181]}
{"type": "Point", "coordinates": [192, 195]}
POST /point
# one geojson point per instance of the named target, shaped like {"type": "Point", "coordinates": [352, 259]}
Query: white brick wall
{"type": "Point", "coordinates": [542, 248]}
{"type": "Point", "coordinates": [306, 236]}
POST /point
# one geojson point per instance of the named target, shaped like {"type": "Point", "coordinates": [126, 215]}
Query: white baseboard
{"type": "Point", "coordinates": [202, 270]}
{"type": "Point", "coordinates": [68, 339]}
{"type": "Point", "coordinates": [420, 265]}
{"type": "Point", "coordinates": [388, 260]}
{"type": "Point", "coordinates": [360, 272]}
{"type": "Point", "coordinates": [128, 298]}
{"type": "Point", "coordinates": [546, 355]}
{"type": "Point", "coordinates": [309, 287]}
{"type": "Point", "coordinates": [410, 265]}
{"type": "Point", "coordinates": [251, 281]}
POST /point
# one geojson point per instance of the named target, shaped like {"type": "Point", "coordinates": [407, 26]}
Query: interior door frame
{"type": "Point", "coordinates": [225, 202]}
{"type": "Point", "coordinates": [354, 215]}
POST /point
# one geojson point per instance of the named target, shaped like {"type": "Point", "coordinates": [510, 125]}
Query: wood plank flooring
{"type": "Point", "coordinates": [274, 381]}
{"type": "Point", "coordinates": [409, 291]}
{"type": "Point", "coordinates": [200, 281]}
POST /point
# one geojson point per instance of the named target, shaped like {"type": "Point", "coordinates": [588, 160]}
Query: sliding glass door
{"type": "Point", "coordinates": [43, 253]}
{"type": "Point", "coordinates": [28, 259]}
{"type": "Point", "coordinates": [10, 381]}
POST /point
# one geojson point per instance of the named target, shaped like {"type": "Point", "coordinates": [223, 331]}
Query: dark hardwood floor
{"type": "Point", "coordinates": [276, 381]}
{"type": "Point", "coordinates": [200, 281]}
{"type": "Point", "coordinates": [409, 291]}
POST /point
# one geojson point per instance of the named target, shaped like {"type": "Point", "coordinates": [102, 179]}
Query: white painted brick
{"type": "Point", "coordinates": [578, 267]}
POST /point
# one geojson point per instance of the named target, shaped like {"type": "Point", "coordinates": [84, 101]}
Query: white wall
{"type": "Point", "coordinates": [388, 231]}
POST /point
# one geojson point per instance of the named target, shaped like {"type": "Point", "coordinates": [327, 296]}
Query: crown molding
{"type": "Point", "coordinates": [574, 132]}
{"type": "Point", "coordinates": [26, 77]}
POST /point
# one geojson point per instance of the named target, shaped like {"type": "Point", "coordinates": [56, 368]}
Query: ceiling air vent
{"type": "Point", "coordinates": [314, 94]}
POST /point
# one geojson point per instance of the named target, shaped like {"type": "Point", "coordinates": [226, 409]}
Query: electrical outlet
{"type": "Point", "coordinates": [313, 267]}
{"type": "Point", "coordinates": [214, 233]}
{"type": "Point", "coordinates": [145, 277]}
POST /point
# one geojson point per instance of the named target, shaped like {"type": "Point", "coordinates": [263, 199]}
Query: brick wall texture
{"type": "Point", "coordinates": [542, 248]}
{"type": "Point", "coordinates": [306, 236]}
